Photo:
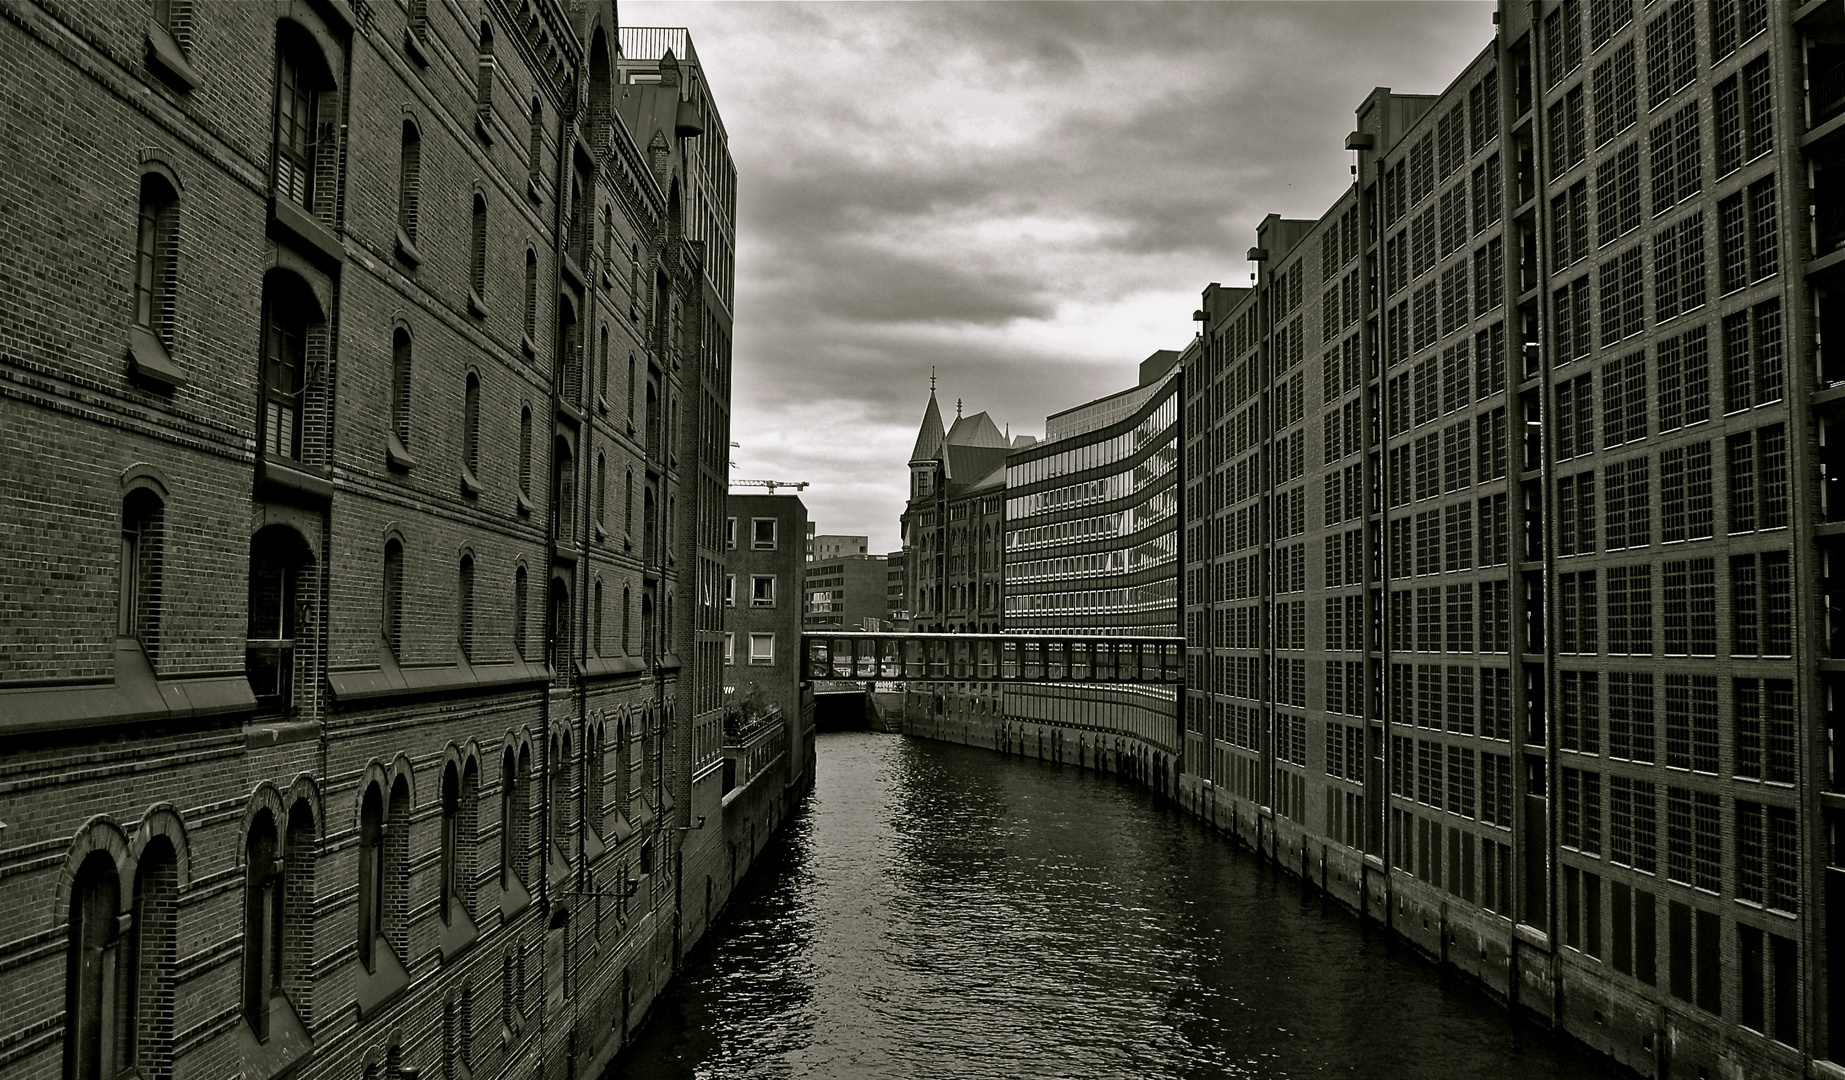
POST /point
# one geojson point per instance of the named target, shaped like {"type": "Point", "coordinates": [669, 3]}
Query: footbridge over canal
{"type": "Point", "coordinates": [1006, 658]}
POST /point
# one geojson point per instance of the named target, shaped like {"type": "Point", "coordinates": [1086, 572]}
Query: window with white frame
{"type": "Point", "coordinates": [730, 648]}
{"type": "Point", "coordinates": [762, 648]}
{"type": "Point", "coordinates": [730, 590]}
{"type": "Point", "coordinates": [762, 590]}
{"type": "Point", "coordinates": [762, 534]}
{"type": "Point", "coordinates": [730, 532]}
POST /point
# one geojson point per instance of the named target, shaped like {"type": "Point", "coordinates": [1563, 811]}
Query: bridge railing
{"type": "Point", "coordinates": [992, 657]}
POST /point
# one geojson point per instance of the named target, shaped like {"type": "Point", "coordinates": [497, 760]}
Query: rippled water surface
{"type": "Point", "coordinates": [939, 911]}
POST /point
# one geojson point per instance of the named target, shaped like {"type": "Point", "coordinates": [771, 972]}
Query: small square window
{"type": "Point", "coordinates": [730, 590]}
{"type": "Point", "coordinates": [730, 532]}
{"type": "Point", "coordinates": [762, 648]}
{"type": "Point", "coordinates": [762, 590]}
{"type": "Point", "coordinates": [730, 648]}
{"type": "Point", "coordinates": [762, 534]}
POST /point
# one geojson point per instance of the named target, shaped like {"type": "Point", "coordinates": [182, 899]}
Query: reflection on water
{"type": "Point", "coordinates": [940, 911]}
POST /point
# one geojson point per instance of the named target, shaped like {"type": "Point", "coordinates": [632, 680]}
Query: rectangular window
{"type": "Point", "coordinates": [762, 648]}
{"type": "Point", "coordinates": [762, 534]}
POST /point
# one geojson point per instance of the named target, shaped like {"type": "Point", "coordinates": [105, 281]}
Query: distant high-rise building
{"type": "Point", "coordinates": [830, 546]}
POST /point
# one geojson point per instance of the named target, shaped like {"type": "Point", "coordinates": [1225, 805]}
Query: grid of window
{"type": "Point", "coordinates": [1617, 194]}
{"type": "Point", "coordinates": [1675, 147]}
{"type": "Point", "coordinates": [1630, 609]}
{"type": "Point", "coordinates": [1684, 379]}
{"type": "Point", "coordinates": [1678, 268]}
{"type": "Point", "coordinates": [1617, 101]}
{"type": "Point", "coordinates": [1685, 493]}
{"type": "Point", "coordinates": [1624, 404]}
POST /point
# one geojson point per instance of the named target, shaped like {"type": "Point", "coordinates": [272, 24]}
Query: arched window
{"type": "Point", "coordinates": [452, 891]}
{"type": "Point", "coordinates": [483, 81]}
{"type": "Point", "coordinates": [534, 160]}
{"type": "Point", "coordinates": [392, 623]}
{"type": "Point", "coordinates": [599, 89]}
{"type": "Point", "coordinates": [95, 1035]}
{"type": "Point", "coordinates": [285, 322]}
{"type": "Point", "coordinates": [627, 514]}
{"type": "Point", "coordinates": [602, 371]}
{"type": "Point", "coordinates": [601, 493]}
{"type": "Point", "coordinates": [531, 297]}
{"type": "Point", "coordinates": [563, 491]}
{"type": "Point", "coordinates": [156, 244]}
{"type": "Point", "coordinates": [464, 605]}
{"type": "Point", "coordinates": [477, 255]}
{"type": "Point", "coordinates": [409, 191]}
{"type": "Point", "coordinates": [627, 601]}
{"type": "Point", "coordinates": [154, 954]}
{"type": "Point", "coordinates": [143, 556]}
{"type": "Point", "coordinates": [647, 654]}
{"type": "Point", "coordinates": [594, 766]}
{"type": "Point", "coordinates": [400, 389]}
{"type": "Point", "coordinates": [277, 554]}
{"type": "Point", "coordinates": [525, 451]}
{"type": "Point", "coordinates": [301, 76]}
{"type": "Point", "coordinates": [560, 791]}
{"type": "Point", "coordinates": [395, 919]}
{"type": "Point", "coordinates": [630, 390]}
{"type": "Point", "coordinates": [595, 637]}
{"type": "Point", "coordinates": [470, 432]}
{"type": "Point", "coordinates": [518, 620]}
{"type": "Point", "coordinates": [559, 626]}
{"type": "Point", "coordinates": [262, 923]}
{"type": "Point", "coordinates": [569, 354]}
{"type": "Point", "coordinates": [370, 925]}
{"type": "Point", "coordinates": [467, 1025]}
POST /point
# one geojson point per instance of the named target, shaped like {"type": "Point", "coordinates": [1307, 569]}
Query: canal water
{"type": "Point", "coordinates": [941, 911]}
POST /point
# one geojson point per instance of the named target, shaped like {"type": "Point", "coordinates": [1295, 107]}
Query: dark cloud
{"type": "Point", "coordinates": [1026, 196]}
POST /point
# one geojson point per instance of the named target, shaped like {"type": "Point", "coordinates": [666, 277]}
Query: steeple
{"type": "Point", "coordinates": [929, 437]}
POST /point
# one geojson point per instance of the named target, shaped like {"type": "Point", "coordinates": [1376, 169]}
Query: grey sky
{"type": "Point", "coordinates": [1027, 196]}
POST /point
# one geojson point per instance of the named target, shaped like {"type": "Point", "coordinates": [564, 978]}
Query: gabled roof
{"type": "Point", "coordinates": [929, 437]}
{"type": "Point", "coordinates": [967, 465]}
{"type": "Point", "coordinates": [975, 430]}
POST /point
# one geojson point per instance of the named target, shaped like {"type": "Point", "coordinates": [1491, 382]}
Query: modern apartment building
{"type": "Point", "coordinates": [768, 710]}
{"type": "Point", "coordinates": [1496, 484]}
{"type": "Point", "coordinates": [360, 676]}
{"type": "Point", "coordinates": [845, 593]}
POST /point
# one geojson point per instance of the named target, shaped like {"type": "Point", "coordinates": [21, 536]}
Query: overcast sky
{"type": "Point", "coordinates": [1029, 197]}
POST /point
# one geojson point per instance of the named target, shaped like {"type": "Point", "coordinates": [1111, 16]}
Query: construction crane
{"type": "Point", "coordinates": [798, 485]}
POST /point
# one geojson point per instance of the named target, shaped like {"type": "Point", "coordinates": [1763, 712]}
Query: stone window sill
{"type": "Point", "coordinates": [300, 225]}
{"type": "Point", "coordinates": [483, 129]}
{"type": "Point", "coordinates": [396, 454]}
{"type": "Point", "coordinates": [456, 936]}
{"type": "Point", "coordinates": [523, 504]}
{"type": "Point", "coordinates": [150, 362]}
{"type": "Point", "coordinates": [513, 899]}
{"type": "Point", "coordinates": [532, 192]}
{"type": "Point", "coordinates": [384, 983]}
{"type": "Point", "coordinates": [476, 305]}
{"type": "Point", "coordinates": [470, 486]}
{"type": "Point", "coordinates": [414, 49]}
{"type": "Point", "coordinates": [407, 250]}
{"type": "Point", "coordinates": [287, 1047]}
{"type": "Point", "coordinates": [165, 54]}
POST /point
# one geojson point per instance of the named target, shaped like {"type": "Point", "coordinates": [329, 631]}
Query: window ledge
{"type": "Point", "coordinates": [614, 667]}
{"type": "Point", "coordinates": [149, 361]}
{"type": "Point", "coordinates": [414, 48]}
{"type": "Point", "coordinates": [287, 1047]}
{"type": "Point", "coordinates": [300, 225]}
{"type": "Point", "coordinates": [483, 128]}
{"type": "Point", "coordinates": [476, 305]}
{"type": "Point", "coordinates": [572, 270]}
{"type": "Point", "coordinates": [164, 53]}
{"type": "Point", "coordinates": [470, 486]}
{"type": "Point", "coordinates": [532, 192]}
{"type": "Point", "coordinates": [528, 347]}
{"type": "Point", "coordinates": [135, 695]}
{"type": "Point", "coordinates": [513, 899]}
{"type": "Point", "coordinates": [602, 404]}
{"type": "Point", "coordinates": [396, 454]}
{"type": "Point", "coordinates": [455, 937]}
{"type": "Point", "coordinates": [291, 481]}
{"type": "Point", "coordinates": [406, 249]}
{"type": "Point", "coordinates": [522, 504]}
{"type": "Point", "coordinates": [384, 983]}
{"type": "Point", "coordinates": [381, 683]}
{"type": "Point", "coordinates": [593, 847]}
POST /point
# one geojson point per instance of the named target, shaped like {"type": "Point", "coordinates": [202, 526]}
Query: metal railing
{"type": "Point", "coordinates": [998, 657]}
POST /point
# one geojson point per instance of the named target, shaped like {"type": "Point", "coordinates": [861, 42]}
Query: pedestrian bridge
{"type": "Point", "coordinates": [997, 657]}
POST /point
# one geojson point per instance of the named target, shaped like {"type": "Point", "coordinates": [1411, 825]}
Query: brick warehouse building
{"type": "Point", "coordinates": [1496, 484]}
{"type": "Point", "coordinates": [360, 669]}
